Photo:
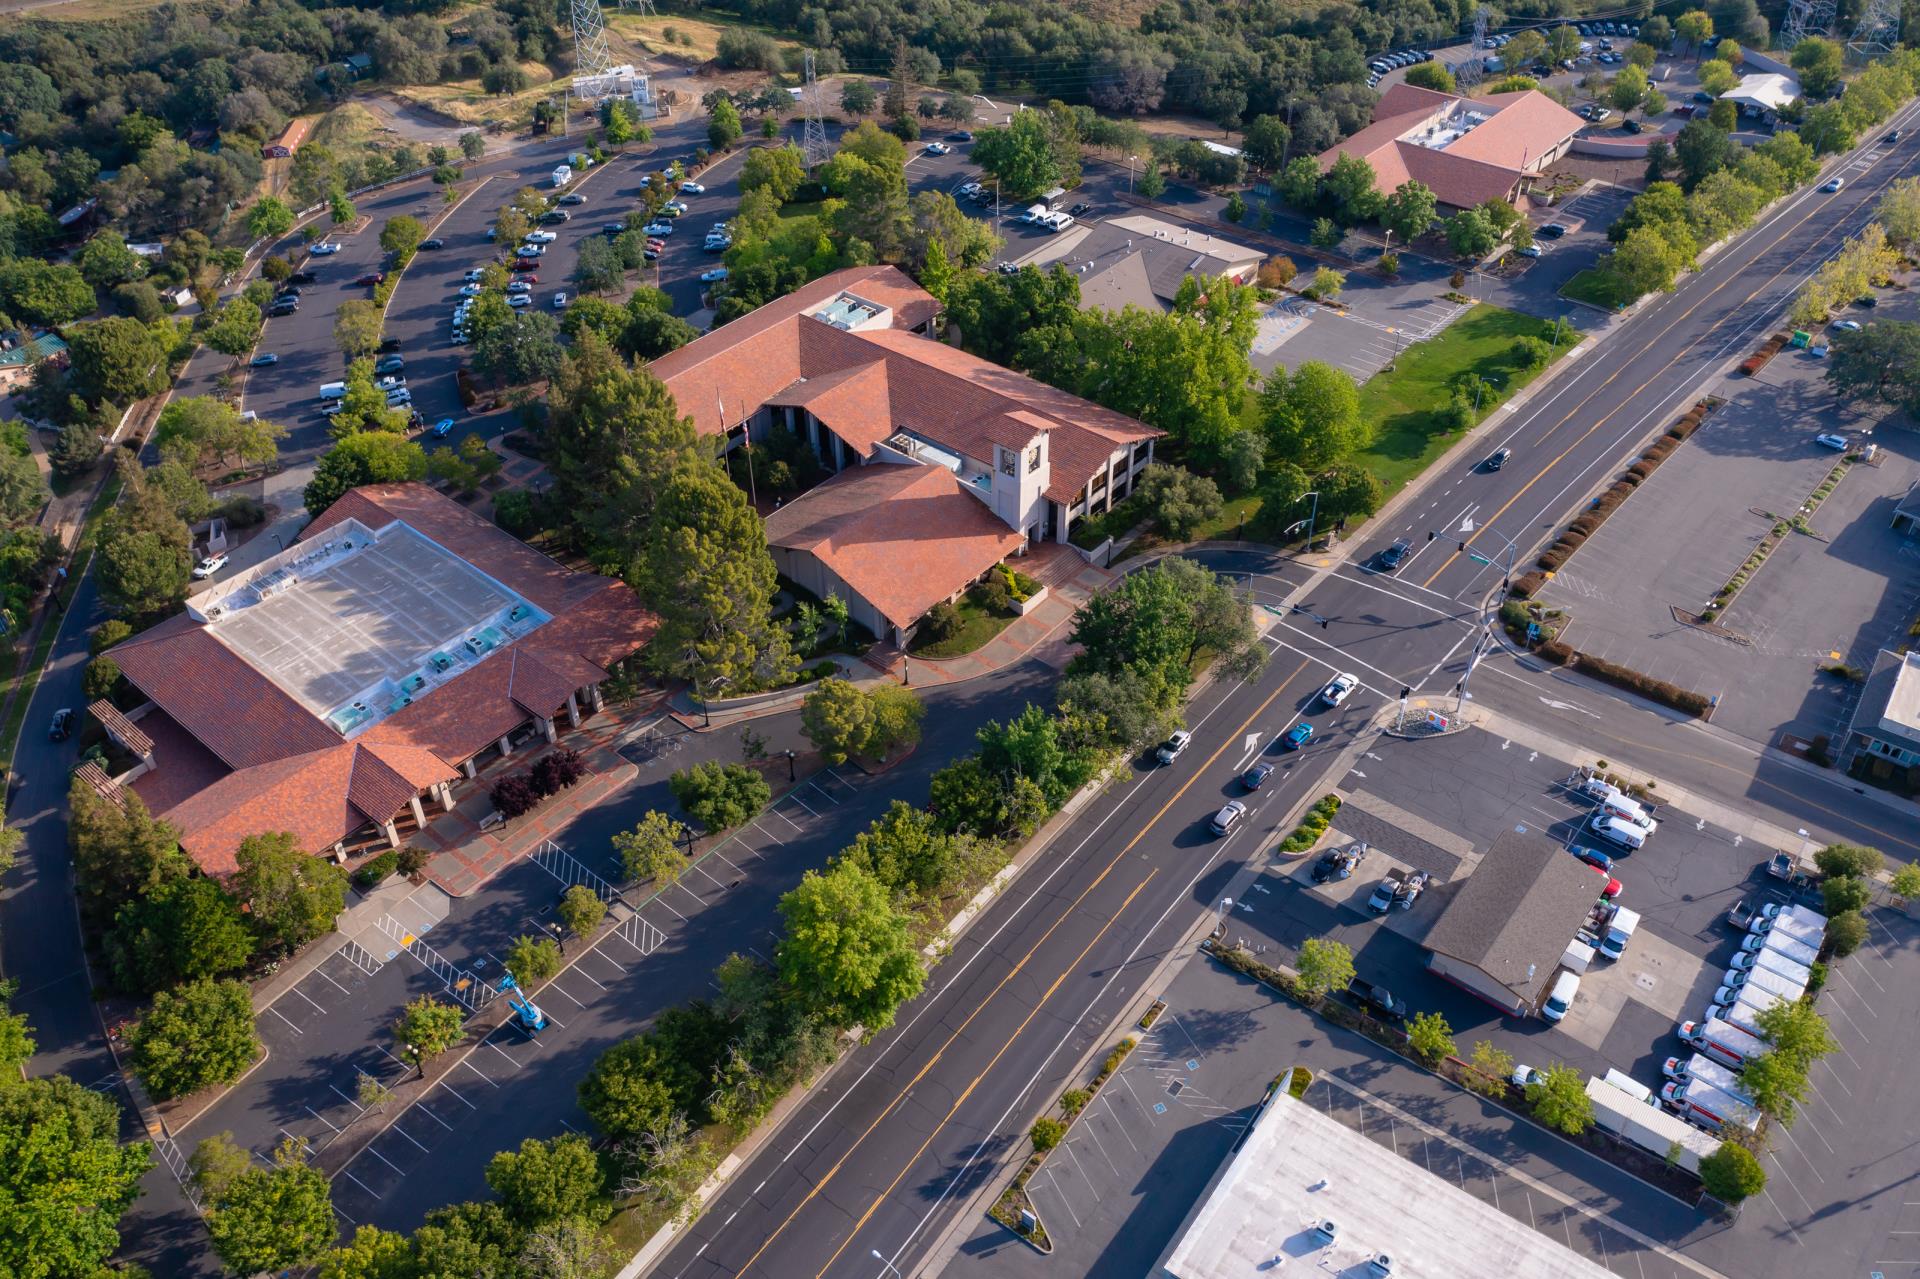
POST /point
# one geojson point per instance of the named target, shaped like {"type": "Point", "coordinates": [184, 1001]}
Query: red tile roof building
{"type": "Point", "coordinates": [1468, 150]}
{"type": "Point", "coordinates": [846, 363]}
{"type": "Point", "coordinates": [325, 690]}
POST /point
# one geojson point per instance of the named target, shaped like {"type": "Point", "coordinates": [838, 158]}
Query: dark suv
{"type": "Point", "coordinates": [1376, 999]}
{"type": "Point", "coordinates": [62, 726]}
{"type": "Point", "coordinates": [1396, 555]}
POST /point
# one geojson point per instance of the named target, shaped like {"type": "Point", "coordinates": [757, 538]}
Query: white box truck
{"type": "Point", "coordinates": [1745, 1009]}
{"type": "Point", "coordinates": [1807, 915]}
{"type": "Point", "coordinates": [1774, 961]}
{"type": "Point", "coordinates": [1725, 1042]}
{"type": "Point", "coordinates": [1792, 926]}
{"type": "Point", "coordinates": [1797, 951]}
{"type": "Point", "coordinates": [1646, 1126]}
{"type": "Point", "coordinates": [1699, 1102]}
{"type": "Point", "coordinates": [1707, 1070]}
{"type": "Point", "coordinates": [1761, 978]}
{"type": "Point", "coordinates": [563, 175]}
{"type": "Point", "coordinates": [1620, 931]}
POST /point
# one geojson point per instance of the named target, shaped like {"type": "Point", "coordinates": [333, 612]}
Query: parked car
{"type": "Point", "coordinates": [1338, 864]}
{"type": "Point", "coordinates": [1847, 326]}
{"type": "Point", "coordinates": [715, 276]}
{"type": "Point", "coordinates": [1339, 688]}
{"type": "Point", "coordinates": [519, 299]}
{"type": "Point", "coordinates": [1174, 746]}
{"type": "Point", "coordinates": [539, 237]}
{"type": "Point", "coordinates": [389, 344]}
{"type": "Point", "coordinates": [572, 197]}
{"type": "Point", "coordinates": [262, 360]}
{"type": "Point", "coordinates": [1380, 901]}
{"type": "Point", "coordinates": [519, 286]}
{"type": "Point", "coordinates": [1532, 251]}
{"type": "Point", "coordinates": [554, 217]}
{"type": "Point", "coordinates": [1256, 777]}
{"type": "Point", "coordinates": [662, 228]}
{"type": "Point", "coordinates": [304, 277]}
{"type": "Point", "coordinates": [433, 242]}
{"type": "Point", "coordinates": [474, 290]}
{"type": "Point", "coordinates": [371, 277]}
{"type": "Point", "coordinates": [1551, 231]}
{"type": "Point", "coordinates": [390, 364]}
{"type": "Point", "coordinates": [325, 248]}
{"type": "Point", "coordinates": [1080, 208]}
{"type": "Point", "coordinates": [1297, 736]}
{"type": "Point", "coordinates": [443, 428]}
{"type": "Point", "coordinates": [532, 251]}
{"type": "Point", "coordinates": [287, 307]}
{"type": "Point", "coordinates": [1376, 999]}
{"type": "Point", "coordinates": [559, 301]}
{"type": "Point", "coordinates": [1593, 857]}
{"type": "Point", "coordinates": [960, 135]}
{"type": "Point", "coordinates": [208, 567]}
{"type": "Point", "coordinates": [1838, 443]}
{"type": "Point", "coordinates": [690, 187]}
{"type": "Point", "coordinates": [1525, 1075]}
{"type": "Point", "coordinates": [62, 726]}
{"type": "Point", "coordinates": [938, 148]}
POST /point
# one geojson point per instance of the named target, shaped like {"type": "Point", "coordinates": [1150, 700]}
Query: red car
{"type": "Point", "coordinates": [525, 264]}
{"type": "Point", "coordinates": [372, 277]}
{"type": "Point", "coordinates": [526, 278]}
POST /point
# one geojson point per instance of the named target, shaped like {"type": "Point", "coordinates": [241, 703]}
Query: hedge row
{"type": "Point", "coordinates": [1589, 521]}
{"type": "Point", "coordinates": [1312, 826]}
{"type": "Point", "coordinates": [1659, 690]}
{"type": "Point", "coordinates": [1758, 360]}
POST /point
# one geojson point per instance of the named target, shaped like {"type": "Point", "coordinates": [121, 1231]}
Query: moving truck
{"type": "Point", "coordinates": [1706, 1070]}
{"type": "Point", "coordinates": [1723, 1041]}
{"type": "Point", "coordinates": [1786, 947]}
{"type": "Point", "coordinates": [1774, 961]}
{"type": "Point", "coordinates": [1619, 932]}
{"type": "Point", "coordinates": [1699, 1102]}
{"type": "Point", "coordinates": [1746, 1008]}
{"type": "Point", "coordinates": [1760, 978]}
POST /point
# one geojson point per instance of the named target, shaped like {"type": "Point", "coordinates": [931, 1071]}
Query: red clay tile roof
{"type": "Point", "coordinates": [1483, 164]}
{"type": "Point", "coordinates": [720, 378]}
{"type": "Point", "coordinates": [905, 537]}
{"type": "Point", "coordinates": [182, 766]}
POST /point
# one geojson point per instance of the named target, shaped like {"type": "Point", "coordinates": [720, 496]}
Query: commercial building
{"type": "Point", "coordinates": [1886, 719]}
{"type": "Point", "coordinates": [847, 363]}
{"type": "Point", "coordinates": [1763, 95]}
{"type": "Point", "coordinates": [289, 140]}
{"type": "Point", "coordinates": [1906, 516]}
{"type": "Point", "coordinates": [334, 689]}
{"type": "Point", "coordinates": [1298, 1168]}
{"type": "Point", "coordinates": [1142, 261]}
{"type": "Point", "coordinates": [1467, 150]}
{"type": "Point", "coordinates": [1502, 936]}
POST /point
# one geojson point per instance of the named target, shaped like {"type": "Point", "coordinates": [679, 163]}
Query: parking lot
{"type": "Point", "coordinates": [1839, 594]}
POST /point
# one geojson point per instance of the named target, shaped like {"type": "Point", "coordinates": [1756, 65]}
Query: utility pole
{"type": "Point", "coordinates": [1313, 516]}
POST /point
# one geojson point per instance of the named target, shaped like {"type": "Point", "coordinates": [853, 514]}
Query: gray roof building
{"type": "Point", "coordinates": [1140, 261]}
{"type": "Point", "coordinates": [1906, 516]}
{"type": "Point", "coordinates": [1502, 936]}
{"type": "Point", "coordinates": [1886, 721]}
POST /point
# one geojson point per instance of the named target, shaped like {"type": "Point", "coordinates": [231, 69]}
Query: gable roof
{"type": "Point", "coordinates": [1481, 164]}
{"type": "Point", "coordinates": [1889, 706]}
{"type": "Point", "coordinates": [905, 537]}
{"type": "Point", "coordinates": [1517, 912]}
{"type": "Point", "coordinates": [868, 383]}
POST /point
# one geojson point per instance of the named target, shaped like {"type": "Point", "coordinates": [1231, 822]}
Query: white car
{"type": "Point", "coordinates": [519, 299]}
{"type": "Point", "coordinates": [559, 301]}
{"type": "Point", "coordinates": [519, 286]}
{"type": "Point", "coordinates": [659, 228]}
{"type": "Point", "coordinates": [324, 249]}
{"type": "Point", "coordinates": [470, 290]}
{"type": "Point", "coordinates": [1524, 1075]}
{"type": "Point", "coordinates": [1172, 748]}
{"type": "Point", "coordinates": [938, 148]}
{"type": "Point", "coordinates": [971, 188]}
{"type": "Point", "coordinates": [714, 276]}
{"type": "Point", "coordinates": [539, 237]}
{"type": "Point", "coordinates": [390, 383]}
{"type": "Point", "coordinates": [1838, 443]}
{"type": "Point", "coordinates": [475, 276]}
{"type": "Point", "coordinates": [673, 208]}
{"type": "Point", "coordinates": [1531, 251]}
{"type": "Point", "coordinates": [533, 250]}
{"type": "Point", "coordinates": [1830, 185]}
{"type": "Point", "coordinates": [1339, 688]}
{"type": "Point", "coordinates": [208, 567]}
{"type": "Point", "coordinates": [1849, 326]}
{"type": "Point", "coordinates": [691, 187]}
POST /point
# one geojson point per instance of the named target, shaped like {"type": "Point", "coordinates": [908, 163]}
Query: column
{"type": "Point", "coordinates": [506, 747]}
{"type": "Point", "coordinates": [573, 709]}
{"type": "Point", "coordinates": [444, 793]}
{"type": "Point", "coordinates": [597, 698]}
{"type": "Point", "coordinates": [470, 769]}
{"type": "Point", "coordinates": [392, 833]}
{"type": "Point", "coordinates": [547, 727]}
{"type": "Point", "coordinates": [419, 813]}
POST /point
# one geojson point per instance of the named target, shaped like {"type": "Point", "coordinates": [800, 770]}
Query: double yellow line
{"type": "Point", "coordinates": [1011, 973]}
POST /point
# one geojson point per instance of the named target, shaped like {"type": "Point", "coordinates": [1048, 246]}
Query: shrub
{"type": "Point", "coordinates": [377, 869]}
{"type": "Point", "coordinates": [515, 512]}
{"type": "Point", "coordinates": [1640, 470]}
{"type": "Point", "coordinates": [411, 861]}
{"type": "Point", "coordinates": [101, 679]}
{"type": "Point", "coordinates": [1073, 1101]}
{"type": "Point", "coordinates": [1731, 1173]}
{"type": "Point", "coordinates": [107, 634]}
{"type": "Point", "coordinates": [1312, 826]}
{"type": "Point", "coordinates": [554, 772]}
{"type": "Point", "coordinates": [995, 595]}
{"type": "Point", "coordinates": [1556, 651]}
{"type": "Point", "coordinates": [1047, 1132]}
{"type": "Point", "coordinates": [513, 795]}
{"type": "Point", "coordinates": [942, 621]}
{"type": "Point", "coordinates": [1527, 585]}
{"type": "Point", "coordinates": [1845, 933]}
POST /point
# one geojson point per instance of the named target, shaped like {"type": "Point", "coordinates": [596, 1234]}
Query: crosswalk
{"type": "Point", "coordinates": [460, 984]}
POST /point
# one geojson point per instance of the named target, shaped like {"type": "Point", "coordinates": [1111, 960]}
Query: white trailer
{"type": "Point", "coordinates": [1804, 931]}
{"type": "Point", "coordinates": [1774, 961]}
{"type": "Point", "coordinates": [1745, 1009]}
{"type": "Point", "coordinates": [1648, 1127]}
{"type": "Point", "coordinates": [1798, 951]}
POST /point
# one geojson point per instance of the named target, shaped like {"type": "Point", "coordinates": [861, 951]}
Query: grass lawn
{"type": "Point", "coordinates": [1405, 401]}
{"type": "Point", "coordinates": [695, 39]}
{"type": "Point", "coordinates": [978, 624]}
{"type": "Point", "coordinates": [1599, 287]}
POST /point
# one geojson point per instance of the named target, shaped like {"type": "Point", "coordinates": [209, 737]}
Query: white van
{"type": "Point", "coordinates": [333, 391]}
{"type": "Point", "coordinates": [1565, 987]}
{"type": "Point", "coordinates": [1630, 811]}
{"type": "Point", "coordinates": [1058, 222]}
{"type": "Point", "coordinates": [1618, 830]}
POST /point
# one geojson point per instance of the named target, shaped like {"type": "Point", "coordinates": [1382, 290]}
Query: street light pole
{"type": "Point", "coordinates": [888, 1264]}
{"type": "Point", "coordinates": [1313, 516]}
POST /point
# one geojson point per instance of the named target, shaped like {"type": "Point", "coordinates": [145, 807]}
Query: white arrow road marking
{"type": "Point", "coordinates": [1532, 755]}
{"type": "Point", "coordinates": [1701, 824]}
{"type": "Point", "coordinates": [1371, 755]}
{"type": "Point", "coordinates": [1356, 772]}
{"type": "Point", "coordinates": [1568, 706]}
{"type": "Point", "coordinates": [1466, 525]}
{"type": "Point", "coordinates": [1737, 839]}
{"type": "Point", "coordinates": [1252, 748]}
{"type": "Point", "coordinates": [1505, 744]}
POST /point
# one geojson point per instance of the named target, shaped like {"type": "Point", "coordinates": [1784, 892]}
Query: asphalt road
{"type": "Point", "coordinates": [882, 1158]}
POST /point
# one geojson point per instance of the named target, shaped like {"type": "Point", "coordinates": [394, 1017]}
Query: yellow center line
{"type": "Point", "coordinates": [1628, 399]}
{"type": "Point", "coordinates": [1013, 972]}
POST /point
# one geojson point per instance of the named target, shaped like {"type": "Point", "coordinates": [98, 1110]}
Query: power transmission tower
{"type": "Point", "coordinates": [642, 7]}
{"type": "Point", "coordinates": [1468, 73]}
{"type": "Point", "coordinates": [1877, 31]}
{"type": "Point", "coordinates": [813, 142]}
{"type": "Point", "coordinates": [590, 56]}
{"type": "Point", "coordinates": [1805, 18]}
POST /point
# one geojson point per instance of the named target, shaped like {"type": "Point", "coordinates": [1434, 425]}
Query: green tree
{"type": "Point", "coordinates": [652, 850]}
{"type": "Point", "coordinates": [340, 208]}
{"type": "Point", "coordinates": [1327, 283]}
{"type": "Point", "coordinates": [1797, 1030]}
{"type": "Point", "coordinates": [193, 1037]}
{"type": "Point", "coordinates": [1777, 1083]}
{"type": "Point", "coordinates": [273, 1219]}
{"type": "Point", "coordinates": [44, 292]}
{"type": "Point", "coordinates": [546, 1181]}
{"type": "Point", "coordinates": [523, 348]}
{"type": "Point", "coordinates": [23, 491]}
{"type": "Point", "coordinates": [427, 1028]}
{"type": "Point", "coordinates": [367, 457]}
{"type": "Point", "coordinates": [235, 329]}
{"type": "Point", "coordinates": [269, 218]}
{"type": "Point", "coordinates": [708, 576]}
{"type": "Point", "coordinates": [1152, 184]}
{"type": "Point", "coordinates": [402, 235]}
{"type": "Point", "coordinates": [1236, 210]}
{"type": "Point", "coordinates": [1022, 155]}
{"type": "Point", "coordinates": [1717, 78]}
{"type": "Point", "coordinates": [837, 717]}
{"type": "Point", "coordinates": [1629, 88]}
{"type": "Point", "coordinates": [115, 360]}
{"type": "Point", "coordinates": [372, 1253]}
{"type": "Point", "coordinates": [636, 1087]}
{"type": "Point", "coordinates": [357, 328]}
{"type": "Point", "coordinates": [581, 910]}
{"type": "Point", "coordinates": [1694, 28]}
{"type": "Point", "coordinates": [1827, 130]}
{"type": "Point", "coordinates": [857, 96]}
{"type": "Point", "coordinates": [120, 852]}
{"type": "Point", "coordinates": [1648, 261]}
{"type": "Point", "coordinates": [907, 851]}
{"type": "Point", "coordinates": [723, 125]}
{"type": "Point", "coordinates": [1265, 140]}
{"type": "Point", "coordinates": [1858, 860]}
{"type": "Point", "coordinates": [214, 1164]}
{"type": "Point", "coordinates": [1732, 1173]}
{"type": "Point", "coordinates": [1323, 965]}
{"type": "Point", "coordinates": [1430, 1037]}
{"type": "Point", "coordinates": [1899, 212]}
{"type": "Point", "coordinates": [847, 953]}
{"type": "Point", "coordinates": [779, 170]}
{"type": "Point", "coordinates": [1431, 75]}
{"type": "Point", "coordinates": [1843, 893]}
{"type": "Point", "coordinates": [720, 796]}
{"type": "Point", "coordinates": [1819, 62]}
{"type": "Point", "coordinates": [1846, 933]}
{"type": "Point", "coordinates": [1906, 881]}
{"type": "Point", "coordinates": [1299, 183]}
{"type": "Point", "coordinates": [473, 144]}
{"type": "Point", "coordinates": [64, 1177]}
{"type": "Point", "coordinates": [293, 897]}
{"type": "Point", "coordinates": [17, 1043]}
{"type": "Point", "coordinates": [1559, 1099]}
{"type": "Point", "coordinates": [105, 260]}
{"type": "Point", "coordinates": [1410, 209]}
{"type": "Point", "coordinates": [533, 960]}
{"type": "Point", "coordinates": [184, 930]}
{"type": "Point", "coordinates": [1350, 184]}
{"type": "Point", "coordinates": [1491, 1068]}
{"type": "Point", "coordinates": [1470, 234]}
{"type": "Point", "coordinates": [201, 431]}
{"type": "Point", "coordinates": [1311, 417]}
{"type": "Point", "coordinates": [1177, 500]}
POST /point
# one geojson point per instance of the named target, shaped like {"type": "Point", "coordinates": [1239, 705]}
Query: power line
{"type": "Point", "coordinates": [813, 143]}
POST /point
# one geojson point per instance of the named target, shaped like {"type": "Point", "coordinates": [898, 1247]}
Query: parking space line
{"type": "Point", "coordinates": [579, 971]}
{"type": "Point", "coordinates": [322, 973]}
{"type": "Point", "coordinates": [794, 796]}
{"type": "Point", "coordinates": [557, 988]}
{"type": "Point", "coordinates": [710, 877]}
{"type": "Point", "coordinates": [462, 1100]}
{"type": "Point", "coordinates": [1768, 1196]}
{"type": "Point", "coordinates": [303, 994]}
{"type": "Point", "coordinates": [388, 1162]}
{"type": "Point", "coordinates": [409, 1136]}
{"type": "Point", "coordinates": [422, 1107]}
{"type": "Point", "coordinates": [503, 1053]}
{"type": "Point", "coordinates": [476, 1070]}
{"type": "Point", "coordinates": [350, 1101]}
{"type": "Point", "coordinates": [363, 1185]}
{"type": "Point", "coordinates": [316, 1114]}
{"type": "Point", "coordinates": [661, 902]}
{"type": "Point", "coordinates": [282, 1016]}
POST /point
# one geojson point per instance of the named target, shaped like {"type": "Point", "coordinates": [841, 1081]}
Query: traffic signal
{"type": "Point", "coordinates": [1405, 693]}
{"type": "Point", "coordinates": [1463, 546]}
{"type": "Point", "coordinates": [1431, 535]}
{"type": "Point", "coordinates": [1324, 622]}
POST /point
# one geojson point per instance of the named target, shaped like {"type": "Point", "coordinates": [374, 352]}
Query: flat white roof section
{"type": "Point", "coordinates": [356, 626]}
{"type": "Point", "coordinates": [1299, 1167]}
